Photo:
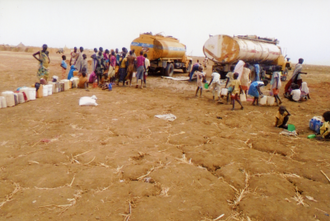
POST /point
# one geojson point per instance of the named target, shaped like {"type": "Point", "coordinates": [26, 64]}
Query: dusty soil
{"type": "Point", "coordinates": [116, 161]}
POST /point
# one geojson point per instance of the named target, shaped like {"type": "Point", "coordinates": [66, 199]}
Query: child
{"type": "Point", "coordinates": [304, 92]}
{"type": "Point", "coordinates": [215, 84]}
{"type": "Point", "coordinates": [276, 85]}
{"type": "Point", "coordinates": [230, 78]}
{"type": "Point", "coordinates": [282, 117]}
{"type": "Point", "coordinates": [325, 128]}
{"type": "Point", "coordinates": [64, 66]}
{"type": "Point", "coordinates": [295, 94]}
{"type": "Point", "coordinates": [254, 90]}
{"type": "Point", "coordinates": [200, 76]}
{"type": "Point", "coordinates": [237, 89]}
{"type": "Point", "coordinates": [83, 81]}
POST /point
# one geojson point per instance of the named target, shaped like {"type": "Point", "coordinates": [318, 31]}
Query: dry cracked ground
{"type": "Point", "coordinates": [116, 161]}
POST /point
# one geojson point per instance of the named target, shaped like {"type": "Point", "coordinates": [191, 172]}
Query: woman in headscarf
{"type": "Point", "coordinates": [239, 68]}
{"type": "Point", "coordinates": [72, 69]}
{"type": "Point", "coordinates": [44, 62]}
{"type": "Point", "coordinates": [296, 78]}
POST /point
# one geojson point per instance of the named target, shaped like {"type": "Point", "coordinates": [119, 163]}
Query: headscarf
{"type": "Point", "coordinates": [70, 75]}
{"type": "Point", "coordinates": [239, 68]}
{"type": "Point", "coordinates": [304, 88]}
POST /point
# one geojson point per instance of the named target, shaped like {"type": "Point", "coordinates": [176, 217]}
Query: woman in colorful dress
{"type": "Point", "coordinates": [44, 62]}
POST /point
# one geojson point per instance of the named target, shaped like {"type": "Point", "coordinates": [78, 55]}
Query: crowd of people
{"type": "Point", "coordinates": [114, 67]}
{"type": "Point", "coordinates": [108, 67]}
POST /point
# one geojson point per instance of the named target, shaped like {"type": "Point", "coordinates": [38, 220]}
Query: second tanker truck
{"type": "Point", "coordinates": [164, 53]}
{"type": "Point", "coordinates": [226, 51]}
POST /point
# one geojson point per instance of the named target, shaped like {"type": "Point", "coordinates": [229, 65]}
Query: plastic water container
{"type": "Point", "coordinates": [315, 123]}
{"type": "Point", "coordinates": [45, 91]}
{"type": "Point", "coordinates": [16, 99]}
{"type": "Point", "coordinates": [224, 91]}
{"type": "Point", "coordinates": [32, 93]}
{"type": "Point", "coordinates": [66, 84]}
{"type": "Point", "coordinates": [20, 97]}
{"type": "Point", "coordinates": [50, 89]}
{"type": "Point", "coordinates": [263, 100]}
{"type": "Point", "coordinates": [110, 87]}
{"type": "Point", "coordinates": [3, 102]}
{"type": "Point", "coordinates": [40, 92]}
{"type": "Point", "coordinates": [26, 91]}
{"type": "Point", "coordinates": [75, 81]}
{"type": "Point", "coordinates": [10, 99]}
{"type": "Point", "coordinates": [270, 100]}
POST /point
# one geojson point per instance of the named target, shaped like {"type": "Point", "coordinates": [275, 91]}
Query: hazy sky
{"type": "Point", "coordinates": [301, 26]}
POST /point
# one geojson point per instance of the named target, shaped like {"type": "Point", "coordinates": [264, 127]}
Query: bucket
{"type": "Point", "coordinates": [50, 89]}
{"type": "Point", "coordinates": [270, 100]}
{"type": "Point", "coordinates": [75, 73]}
{"type": "Point", "coordinates": [263, 100]}
{"type": "Point", "coordinates": [206, 86]}
{"type": "Point", "coordinates": [291, 127]}
{"type": "Point", "coordinates": [224, 91]}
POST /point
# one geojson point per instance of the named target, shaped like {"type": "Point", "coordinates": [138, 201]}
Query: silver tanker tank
{"type": "Point", "coordinates": [225, 51]}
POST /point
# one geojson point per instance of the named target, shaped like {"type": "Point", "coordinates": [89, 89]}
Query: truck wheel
{"type": "Point", "coordinates": [169, 70]}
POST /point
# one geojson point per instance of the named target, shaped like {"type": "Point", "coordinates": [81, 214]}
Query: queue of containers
{"type": "Point", "coordinates": [25, 94]}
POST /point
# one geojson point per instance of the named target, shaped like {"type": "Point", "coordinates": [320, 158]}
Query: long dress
{"type": "Point", "coordinates": [294, 77]}
{"type": "Point", "coordinates": [43, 66]}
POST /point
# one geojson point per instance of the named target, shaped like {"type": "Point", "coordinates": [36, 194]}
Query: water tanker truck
{"type": "Point", "coordinates": [225, 51]}
{"type": "Point", "coordinates": [164, 53]}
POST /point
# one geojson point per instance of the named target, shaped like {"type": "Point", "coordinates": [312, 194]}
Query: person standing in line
{"type": "Point", "coordinates": [112, 67]}
{"type": "Point", "coordinates": [93, 56]}
{"type": "Point", "coordinates": [99, 67]}
{"type": "Point", "coordinates": [146, 66]}
{"type": "Point", "coordinates": [140, 69]}
{"type": "Point", "coordinates": [73, 56]}
{"type": "Point", "coordinates": [80, 59]}
{"type": "Point", "coordinates": [64, 66]}
{"type": "Point", "coordinates": [194, 68]}
{"type": "Point", "coordinates": [122, 68]}
{"type": "Point", "coordinates": [130, 68]}
{"type": "Point", "coordinates": [44, 62]}
{"type": "Point", "coordinates": [84, 63]}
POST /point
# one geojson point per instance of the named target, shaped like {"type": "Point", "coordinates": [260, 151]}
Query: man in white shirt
{"type": "Point", "coordinates": [146, 68]}
{"type": "Point", "coordinates": [215, 84]}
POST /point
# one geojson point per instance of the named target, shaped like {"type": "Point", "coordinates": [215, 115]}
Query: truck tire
{"type": "Point", "coordinates": [187, 69]}
{"type": "Point", "coordinates": [169, 70]}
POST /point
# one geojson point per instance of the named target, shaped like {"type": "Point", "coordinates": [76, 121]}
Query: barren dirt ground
{"type": "Point", "coordinates": [116, 161]}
